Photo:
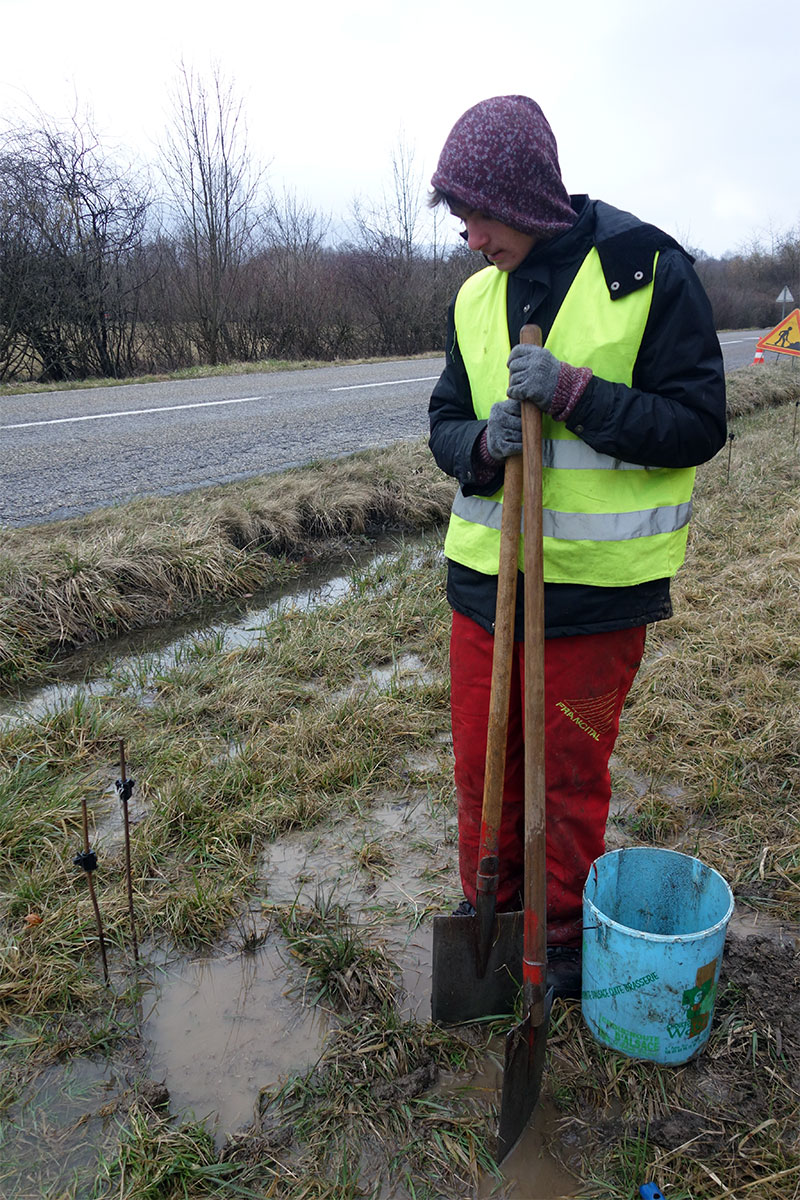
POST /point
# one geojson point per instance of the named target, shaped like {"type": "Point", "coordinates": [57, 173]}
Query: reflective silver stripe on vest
{"type": "Point", "coordinates": [574, 527]}
{"type": "Point", "coordinates": [567, 454]}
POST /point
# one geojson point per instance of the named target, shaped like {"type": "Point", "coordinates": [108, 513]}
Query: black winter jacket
{"type": "Point", "coordinates": [672, 415]}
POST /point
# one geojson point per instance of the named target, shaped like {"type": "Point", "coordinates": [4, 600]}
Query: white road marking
{"type": "Point", "coordinates": [137, 412]}
{"type": "Point", "coordinates": [351, 387]}
{"type": "Point", "coordinates": [131, 412]}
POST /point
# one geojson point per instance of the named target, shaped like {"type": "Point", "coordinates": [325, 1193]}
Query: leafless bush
{"type": "Point", "coordinates": [743, 287]}
{"type": "Point", "coordinates": [72, 231]}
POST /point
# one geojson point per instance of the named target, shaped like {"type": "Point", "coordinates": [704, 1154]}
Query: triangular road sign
{"type": "Point", "coordinates": [784, 338]}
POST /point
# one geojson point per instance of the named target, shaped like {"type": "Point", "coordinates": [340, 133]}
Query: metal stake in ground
{"type": "Point", "coordinates": [125, 790]}
{"type": "Point", "coordinates": [794, 422]}
{"type": "Point", "coordinates": [87, 861]}
{"type": "Point", "coordinates": [731, 436]}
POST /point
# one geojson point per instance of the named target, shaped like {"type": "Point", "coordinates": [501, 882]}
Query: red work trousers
{"type": "Point", "coordinates": [587, 678]}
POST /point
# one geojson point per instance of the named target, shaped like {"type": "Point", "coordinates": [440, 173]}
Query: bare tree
{"type": "Point", "coordinates": [214, 190]}
{"type": "Point", "coordinates": [743, 287]}
{"type": "Point", "coordinates": [396, 265]}
{"type": "Point", "coordinates": [15, 265]}
{"type": "Point", "coordinates": [392, 225]}
{"type": "Point", "coordinates": [383, 255]}
{"type": "Point", "coordinates": [293, 313]}
{"type": "Point", "coordinates": [72, 225]}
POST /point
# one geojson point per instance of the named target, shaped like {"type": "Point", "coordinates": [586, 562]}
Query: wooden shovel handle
{"type": "Point", "coordinates": [535, 895]}
{"type": "Point", "coordinates": [502, 661]}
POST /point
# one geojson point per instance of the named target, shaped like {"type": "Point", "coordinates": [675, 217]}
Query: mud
{"type": "Point", "coordinates": [217, 1031]}
{"type": "Point", "coordinates": [68, 1115]}
{"type": "Point", "coordinates": [222, 1028]}
{"type": "Point", "coordinates": [765, 967]}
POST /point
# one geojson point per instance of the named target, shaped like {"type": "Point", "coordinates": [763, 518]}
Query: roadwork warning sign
{"type": "Point", "coordinates": [784, 338]}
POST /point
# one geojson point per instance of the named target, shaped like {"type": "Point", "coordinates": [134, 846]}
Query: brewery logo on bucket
{"type": "Point", "coordinates": [698, 1001]}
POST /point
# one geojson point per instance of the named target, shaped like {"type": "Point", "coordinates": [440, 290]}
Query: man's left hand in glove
{"type": "Point", "coordinates": [553, 386]}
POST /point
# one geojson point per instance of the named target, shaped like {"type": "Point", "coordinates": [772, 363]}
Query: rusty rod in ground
{"type": "Point", "coordinates": [88, 862]}
{"type": "Point", "coordinates": [125, 788]}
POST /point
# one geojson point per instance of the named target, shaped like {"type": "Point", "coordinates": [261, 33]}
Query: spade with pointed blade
{"type": "Point", "coordinates": [526, 1043]}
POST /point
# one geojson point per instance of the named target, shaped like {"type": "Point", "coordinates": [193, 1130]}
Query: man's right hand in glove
{"type": "Point", "coordinates": [504, 430]}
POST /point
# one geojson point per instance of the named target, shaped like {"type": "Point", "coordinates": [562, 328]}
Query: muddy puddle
{"type": "Point", "coordinates": [221, 1029]}
{"type": "Point", "coordinates": [215, 1031]}
{"type": "Point", "coordinates": [52, 1137]}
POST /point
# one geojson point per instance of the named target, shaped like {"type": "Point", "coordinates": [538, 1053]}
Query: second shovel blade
{"type": "Point", "coordinates": [458, 993]}
{"type": "Point", "coordinates": [522, 1078]}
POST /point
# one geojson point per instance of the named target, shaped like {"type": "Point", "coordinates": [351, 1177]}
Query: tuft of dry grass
{"type": "Point", "coordinates": [113, 571]}
{"type": "Point", "coordinates": [344, 968]}
{"type": "Point", "coordinates": [713, 713]}
{"type": "Point", "coordinates": [750, 389]}
{"type": "Point", "coordinates": [369, 1100]}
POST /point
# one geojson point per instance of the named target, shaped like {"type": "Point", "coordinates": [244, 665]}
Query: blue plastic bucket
{"type": "Point", "coordinates": [654, 924]}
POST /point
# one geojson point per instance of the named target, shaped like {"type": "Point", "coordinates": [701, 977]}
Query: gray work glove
{"type": "Point", "coordinates": [504, 430]}
{"type": "Point", "coordinates": [533, 375]}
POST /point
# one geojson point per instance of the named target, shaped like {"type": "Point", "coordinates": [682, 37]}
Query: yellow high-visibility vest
{"type": "Point", "coordinates": [606, 522]}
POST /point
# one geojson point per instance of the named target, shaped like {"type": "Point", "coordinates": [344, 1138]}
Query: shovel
{"type": "Point", "coordinates": [477, 962]}
{"type": "Point", "coordinates": [525, 1044]}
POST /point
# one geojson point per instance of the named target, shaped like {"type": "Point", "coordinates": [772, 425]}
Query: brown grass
{"type": "Point", "coordinates": [770, 385]}
{"type": "Point", "coordinates": [100, 576]}
{"type": "Point", "coordinates": [232, 749]}
{"type": "Point", "coordinates": [715, 701]}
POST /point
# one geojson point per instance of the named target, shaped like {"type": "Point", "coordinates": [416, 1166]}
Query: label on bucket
{"type": "Point", "coordinates": [630, 985]}
{"type": "Point", "coordinates": [670, 1039]}
{"type": "Point", "coordinates": [698, 1004]}
{"type": "Point", "coordinates": [628, 1040]}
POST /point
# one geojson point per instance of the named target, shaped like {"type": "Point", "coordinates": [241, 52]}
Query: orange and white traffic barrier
{"type": "Point", "coordinates": [759, 358]}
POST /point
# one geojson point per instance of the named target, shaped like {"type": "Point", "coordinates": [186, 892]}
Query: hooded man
{"type": "Point", "coordinates": [631, 386]}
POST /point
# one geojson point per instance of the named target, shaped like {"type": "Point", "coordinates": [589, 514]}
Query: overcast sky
{"type": "Point", "coordinates": [684, 112]}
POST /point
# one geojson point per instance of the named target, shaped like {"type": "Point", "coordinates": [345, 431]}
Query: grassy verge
{"type": "Point", "coordinates": [233, 749]}
{"type": "Point", "coordinates": [71, 583]}
{"type": "Point", "coordinates": [768, 386]}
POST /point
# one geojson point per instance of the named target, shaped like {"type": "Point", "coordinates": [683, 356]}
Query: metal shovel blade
{"type": "Point", "coordinates": [522, 1078]}
{"type": "Point", "coordinates": [459, 993]}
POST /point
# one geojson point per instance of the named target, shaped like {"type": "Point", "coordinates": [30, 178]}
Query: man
{"type": "Point", "coordinates": [631, 385]}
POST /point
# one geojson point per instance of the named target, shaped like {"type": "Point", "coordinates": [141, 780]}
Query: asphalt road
{"type": "Point", "coordinates": [65, 453]}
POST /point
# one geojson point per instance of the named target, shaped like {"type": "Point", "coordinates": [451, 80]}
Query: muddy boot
{"type": "Point", "coordinates": [564, 972]}
{"type": "Point", "coordinates": [464, 909]}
